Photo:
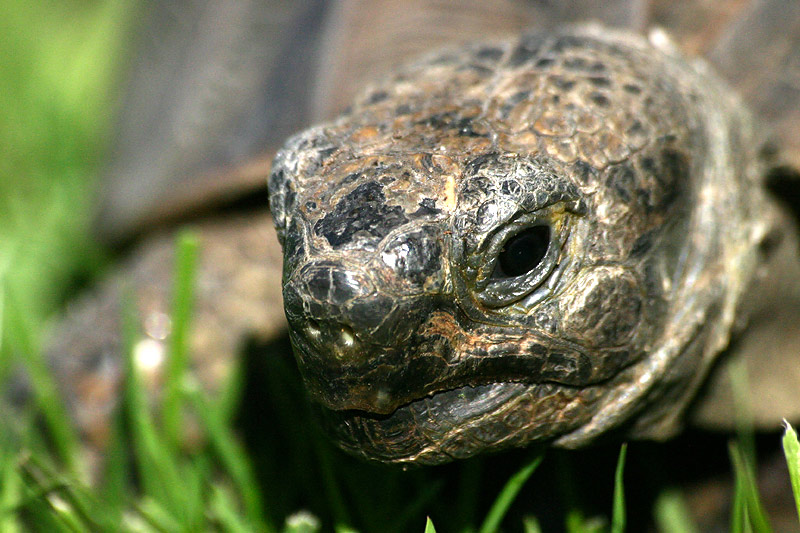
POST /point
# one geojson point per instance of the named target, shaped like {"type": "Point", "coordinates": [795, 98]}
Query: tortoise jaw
{"type": "Point", "coordinates": [387, 378]}
{"type": "Point", "coordinates": [456, 423]}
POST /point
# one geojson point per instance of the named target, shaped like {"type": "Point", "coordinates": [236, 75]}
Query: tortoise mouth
{"type": "Point", "coordinates": [392, 381]}
{"type": "Point", "coordinates": [456, 423]}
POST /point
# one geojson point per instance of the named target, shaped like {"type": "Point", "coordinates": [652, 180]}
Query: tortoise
{"type": "Point", "coordinates": [547, 228]}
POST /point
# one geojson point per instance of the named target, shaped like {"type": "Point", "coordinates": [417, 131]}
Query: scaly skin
{"type": "Point", "coordinates": [417, 346]}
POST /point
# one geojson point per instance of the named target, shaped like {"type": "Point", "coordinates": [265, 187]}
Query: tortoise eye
{"type": "Point", "coordinates": [522, 253]}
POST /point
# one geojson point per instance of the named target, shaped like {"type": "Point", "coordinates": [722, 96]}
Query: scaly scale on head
{"type": "Point", "coordinates": [496, 246]}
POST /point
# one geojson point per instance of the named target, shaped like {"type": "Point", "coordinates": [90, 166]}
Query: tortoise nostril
{"type": "Point", "coordinates": [347, 337]}
{"type": "Point", "coordinates": [313, 329]}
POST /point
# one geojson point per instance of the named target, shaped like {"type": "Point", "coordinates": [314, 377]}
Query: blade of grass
{"type": "Point", "coordinates": [576, 522]}
{"type": "Point", "coordinates": [196, 473]}
{"type": "Point", "coordinates": [153, 458]}
{"type": "Point", "coordinates": [301, 522]}
{"type": "Point", "coordinates": [746, 489]}
{"type": "Point", "coordinates": [743, 410]}
{"type": "Point", "coordinates": [41, 515]}
{"type": "Point", "coordinates": [223, 510]}
{"type": "Point", "coordinates": [531, 525]}
{"type": "Point", "coordinates": [671, 513]}
{"type": "Point", "coordinates": [231, 393]}
{"type": "Point", "coordinates": [507, 495]}
{"type": "Point", "coordinates": [10, 490]}
{"type": "Point", "coordinates": [48, 399]}
{"type": "Point", "coordinates": [70, 501]}
{"type": "Point", "coordinates": [183, 296]}
{"type": "Point", "coordinates": [618, 518]}
{"type": "Point", "coordinates": [234, 459]}
{"type": "Point", "coordinates": [429, 526]}
{"type": "Point", "coordinates": [117, 470]}
{"type": "Point", "coordinates": [158, 517]}
{"type": "Point", "coordinates": [791, 449]}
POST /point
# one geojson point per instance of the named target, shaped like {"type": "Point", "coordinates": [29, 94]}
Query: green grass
{"type": "Point", "coordinates": [58, 63]}
{"type": "Point", "coordinates": [791, 450]}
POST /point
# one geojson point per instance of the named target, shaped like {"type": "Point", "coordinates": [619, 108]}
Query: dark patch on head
{"type": "Point", "coordinates": [675, 165]}
{"type": "Point", "coordinates": [472, 167]}
{"type": "Point", "coordinates": [636, 128]}
{"type": "Point", "coordinates": [479, 69]}
{"type": "Point", "coordinates": [512, 101]}
{"type": "Point", "coordinates": [526, 50]}
{"type": "Point", "coordinates": [544, 62]}
{"type": "Point", "coordinates": [585, 172]}
{"type": "Point", "coordinates": [600, 99]}
{"type": "Point", "coordinates": [565, 42]}
{"type": "Point", "coordinates": [670, 171]}
{"type": "Point", "coordinates": [447, 58]}
{"type": "Point", "coordinates": [325, 153]}
{"type": "Point", "coordinates": [518, 97]}
{"type": "Point", "coordinates": [622, 179]}
{"type": "Point", "coordinates": [290, 198]}
{"type": "Point", "coordinates": [489, 52]}
{"type": "Point", "coordinates": [511, 188]}
{"type": "Point", "coordinates": [277, 185]}
{"type": "Point", "coordinates": [450, 120]}
{"type": "Point", "coordinates": [466, 128]}
{"type": "Point", "coordinates": [363, 210]}
{"type": "Point", "coordinates": [377, 96]}
{"type": "Point", "coordinates": [427, 207]}
{"type": "Point", "coordinates": [599, 81]}
{"type": "Point", "coordinates": [576, 63]}
{"type": "Point", "coordinates": [350, 178]}
{"type": "Point", "coordinates": [642, 245]}
{"type": "Point", "coordinates": [632, 89]}
{"type": "Point", "coordinates": [427, 162]}
{"type": "Point", "coordinates": [562, 83]}
{"type": "Point", "coordinates": [597, 66]}
{"type": "Point", "coordinates": [402, 109]}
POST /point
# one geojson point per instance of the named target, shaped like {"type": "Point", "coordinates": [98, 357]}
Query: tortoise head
{"type": "Point", "coordinates": [496, 247]}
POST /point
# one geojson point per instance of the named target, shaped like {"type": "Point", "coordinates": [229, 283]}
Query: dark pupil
{"type": "Point", "coordinates": [523, 252]}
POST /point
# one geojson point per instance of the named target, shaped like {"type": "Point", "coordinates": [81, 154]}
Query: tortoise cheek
{"type": "Point", "coordinates": [605, 308]}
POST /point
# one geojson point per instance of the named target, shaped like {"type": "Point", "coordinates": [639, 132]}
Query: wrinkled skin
{"type": "Point", "coordinates": [544, 238]}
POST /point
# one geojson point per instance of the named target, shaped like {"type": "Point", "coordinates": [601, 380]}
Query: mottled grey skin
{"type": "Point", "coordinates": [417, 346]}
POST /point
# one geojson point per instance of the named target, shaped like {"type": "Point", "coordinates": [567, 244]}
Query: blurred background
{"type": "Point", "coordinates": [60, 66]}
{"type": "Point", "coordinates": [63, 66]}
